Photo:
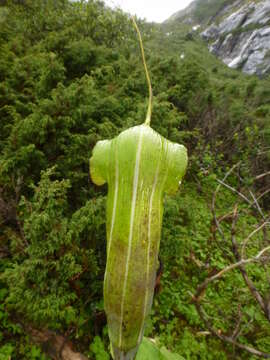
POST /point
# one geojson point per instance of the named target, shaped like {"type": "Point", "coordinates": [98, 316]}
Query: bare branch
{"type": "Point", "coordinates": [241, 263]}
{"type": "Point", "coordinates": [235, 191]}
{"type": "Point", "coordinates": [226, 338]}
{"type": "Point", "coordinates": [262, 252]}
{"type": "Point", "coordinates": [252, 288]}
{"type": "Point", "coordinates": [257, 204]}
{"type": "Point", "coordinates": [214, 200]}
{"type": "Point", "coordinates": [238, 324]}
{"type": "Point", "coordinates": [201, 288]}
{"type": "Point", "coordinates": [244, 244]}
{"type": "Point", "coordinates": [262, 195]}
{"type": "Point", "coordinates": [262, 175]}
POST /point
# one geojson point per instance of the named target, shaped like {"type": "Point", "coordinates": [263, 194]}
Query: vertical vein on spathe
{"type": "Point", "coordinates": [132, 215]}
{"type": "Point", "coordinates": [148, 250]}
{"type": "Point", "coordinates": [165, 152]}
{"type": "Point", "coordinates": [114, 207]}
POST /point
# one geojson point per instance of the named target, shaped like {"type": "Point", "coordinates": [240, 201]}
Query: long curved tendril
{"type": "Point", "coordinates": [149, 111]}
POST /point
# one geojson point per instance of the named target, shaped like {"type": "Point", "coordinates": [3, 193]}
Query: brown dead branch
{"type": "Point", "coordinates": [56, 346]}
{"type": "Point", "coordinates": [252, 288]}
{"type": "Point", "coordinates": [235, 191]}
{"type": "Point", "coordinates": [226, 338]}
{"type": "Point", "coordinates": [200, 292]}
{"type": "Point", "coordinates": [201, 288]}
{"type": "Point", "coordinates": [244, 244]}
{"type": "Point", "coordinates": [262, 175]}
{"type": "Point", "coordinates": [213, 206]}
{"type": "Point", "coordinates": [238, 251]}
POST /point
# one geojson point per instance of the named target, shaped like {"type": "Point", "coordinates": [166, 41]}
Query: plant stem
{"type": "Point", "coordinates": [149, 111]}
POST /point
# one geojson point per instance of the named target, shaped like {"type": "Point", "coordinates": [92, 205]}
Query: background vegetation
{"type": "Point", "coordinates": [70, 75]}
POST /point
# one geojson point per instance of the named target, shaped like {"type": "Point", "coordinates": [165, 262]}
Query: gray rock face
{"type": "Point", "coordinates": [235, 20]}
{"type": "Point", "coordinates": [260, 15]}
{"type": "Point", "coordinates": [242, 38]}
{"type": "Point", "coordinates": [211, 32]}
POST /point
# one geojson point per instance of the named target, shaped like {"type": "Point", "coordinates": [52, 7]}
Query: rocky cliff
{"type": "Point", "coordinates": [238, 31]}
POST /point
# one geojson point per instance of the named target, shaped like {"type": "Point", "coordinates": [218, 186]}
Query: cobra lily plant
{"type": "Point", "coordinates": [140, 166]}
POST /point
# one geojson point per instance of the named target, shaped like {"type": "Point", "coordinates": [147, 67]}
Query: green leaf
{"type": "Point", "coordinates": [97, 348]}
{"type": "Point", "coordinates": [167, 355]}
{"type": "Point", "coordinates": [35, 352]}
{"type": "Point", "coordinates": [149, 350]}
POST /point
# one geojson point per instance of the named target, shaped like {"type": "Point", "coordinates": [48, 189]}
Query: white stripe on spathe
{"type": "Point", "coordinates": [148, 251]}
{"type": "Point", "coordinates": [133, 205]}
{"type": "Point", "coordinates": [114, 208]}
{"type": "Point", "coordinates": [115, 199]}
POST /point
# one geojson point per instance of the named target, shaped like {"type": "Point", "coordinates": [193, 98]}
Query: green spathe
{"type": "Point", "coordinates": [139, 166]}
